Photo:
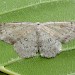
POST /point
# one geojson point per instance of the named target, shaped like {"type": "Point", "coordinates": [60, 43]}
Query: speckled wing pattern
{"type": "Point", "coordinates": [22, 36]}
{"type": "Point", "coordinates": [29, 39]}
{"type": "Point", "coordinates": [52, 34]}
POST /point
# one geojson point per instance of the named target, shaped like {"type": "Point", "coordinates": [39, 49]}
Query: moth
{"type": "Point", "coordinates": [29, 39]}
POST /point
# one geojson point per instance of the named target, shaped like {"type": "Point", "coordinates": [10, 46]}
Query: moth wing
{"type": "Point", "coordinates": [51, 36]}
{"type": "Point", "coordinates": [62, 31]}
{"type": "Point", "coordinates": [10, 32]}
{"type": "Point", "coordinates": [48, 45]}
{"type": "Point", "coordinates": [16, 34]}
{"type": "Point", "coordinates": [27, 47]}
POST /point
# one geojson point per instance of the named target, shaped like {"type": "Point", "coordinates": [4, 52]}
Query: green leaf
{"type": "Point", "coordinates": [7, 54]}
{"type": "Point", "coordinates": [37, 11]}
{"type": "Point", "coordinates": [62, 64]}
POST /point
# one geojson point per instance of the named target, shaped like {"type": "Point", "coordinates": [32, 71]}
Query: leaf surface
{"type": "Point", "coordinates": [37, 11]}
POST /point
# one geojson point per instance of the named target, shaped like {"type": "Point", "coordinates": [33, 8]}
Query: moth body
{"type": "Point", "coordinates": [28, 38]}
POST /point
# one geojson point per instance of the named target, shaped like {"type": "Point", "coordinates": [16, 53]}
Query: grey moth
{"type": "Point", "coordinates": [28, 39]}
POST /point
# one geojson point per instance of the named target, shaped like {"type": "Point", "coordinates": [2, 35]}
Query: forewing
{"type": "Point", "coordinates": [22, 36]}
{"type": "Point", "coordinates": [62, 31]}
{"type": "Point", "coordinates": [52, 34]}
{"type": "Point", "coordinates": [10, 32]}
